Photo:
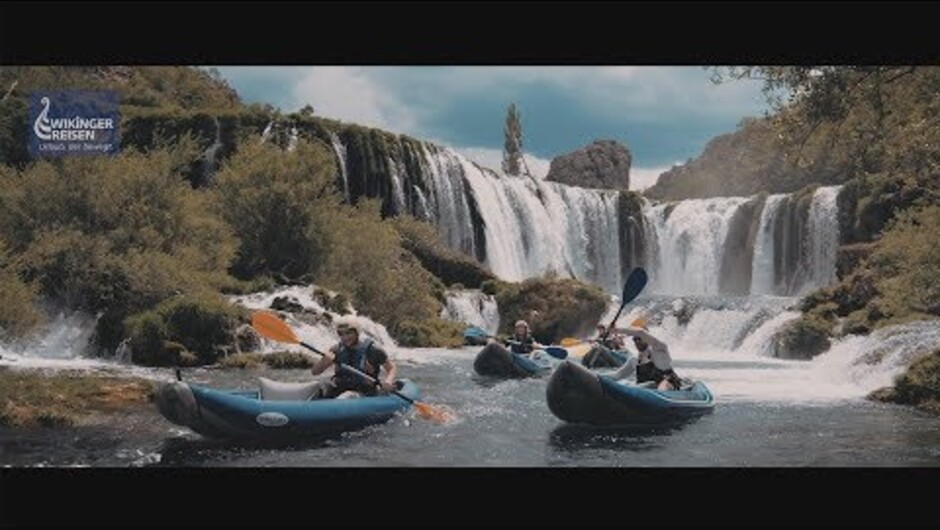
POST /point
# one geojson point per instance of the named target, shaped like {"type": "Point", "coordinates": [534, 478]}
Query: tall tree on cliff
{"type": "Point", "coordinates": [512, 148]}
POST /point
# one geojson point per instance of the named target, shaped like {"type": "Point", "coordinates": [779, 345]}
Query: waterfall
{"type": "Point", "coordinates": [267, 131]}
{"type": "Point", "coordinates": [824, 236]}
{"type": "Point", "coordinates": [340, 151]}
{"type": "Point", "coordinates": [208, 161]}
{"type": "Point", "coordinates": [521, 227]}
{"type": "Point", "coordinates": [691, 237]}
{"type": "Point", "coordinates": [292, 140]}
{"type": "Point", "coordinates": [762, 271]}
{"type": "Point", "coordinates": [473, 308]}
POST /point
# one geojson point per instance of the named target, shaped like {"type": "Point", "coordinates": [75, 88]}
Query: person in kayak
{"type": "Point", "coordinates": [521, 341]}
{"type": "Point", "coordinates": [613, 341]}
{"type": "Point", "coordinates": [362, 354]}
{"type": "Point", "coordinates": [653, 361]}
{"type": "Point", "coordinates": [600, 355]}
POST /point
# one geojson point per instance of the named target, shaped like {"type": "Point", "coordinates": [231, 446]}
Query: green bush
{"type": "Point", "coordinates": [383, 281]}
{"type": "Point", "coordinates": [554, 308]}
{"type": "Point", "coordinates": [276, 203]}
{"type": "Point", "coordinates": [115, 235]}
{"type": "Point", "coordinates": [18, 312]}
{"type": "Point", "coordinates": [204, 326]}
{"type": "Point", "coordinates": [492, 287]}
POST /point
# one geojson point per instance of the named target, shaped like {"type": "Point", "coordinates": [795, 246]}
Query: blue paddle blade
{"type": "Point", "coordinates": [556, 351]}
{"type": "Point", "coordinates": [634, 285]}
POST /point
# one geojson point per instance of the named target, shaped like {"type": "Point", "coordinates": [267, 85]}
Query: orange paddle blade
{"type": "Point", "coordinates": [438, 414]}
{"type": "Point", "coordinates": [270, 326]}
{"type": "Point", "coordinates": [638, 323]}
{"type": "Point", "coordinates": [570, 341]}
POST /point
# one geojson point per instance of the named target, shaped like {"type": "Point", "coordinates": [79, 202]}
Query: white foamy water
{"type": "Point", "coordinates": [472, 307]}
{"type": "Point", "coordinates": [319, 333]}
{"type": "Point", "coordinates": [691, 237]}
{"type": "Point", "coordinates": [729, 346]}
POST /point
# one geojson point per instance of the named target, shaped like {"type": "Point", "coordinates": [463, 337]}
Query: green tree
{"type": "Point", "coordinates": [512, 148]}
{"type": "Point", "coordinates": [276, 202]}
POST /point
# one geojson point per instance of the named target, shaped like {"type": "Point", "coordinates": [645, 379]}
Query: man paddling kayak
{"type": "Point", "coordinates": [654, 363]}
{"type": "Point", "coordinates": [364, 355]}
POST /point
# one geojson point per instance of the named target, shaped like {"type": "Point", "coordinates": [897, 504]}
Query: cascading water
{"type": "Point", "coordinates": [522, 227]}
{"type": "Point", "coordinates": [691, 237]}
{"type": "Point", "coordinates": [762, 268]}
{"type": "Point", "coordinates": [727, 342]}
{"type": "Point", "coordinates": [472, 308]}
{"type": "Point", "coordinates": [314, 323]}
{"type": "Point", "coordinates": [340, 150]}
{"type": "Point", "coordinates": [824, 236]}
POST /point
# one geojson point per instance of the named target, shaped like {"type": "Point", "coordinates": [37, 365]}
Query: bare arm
{"type": "Point", "coordinates": [325, 362]}
{"type": "Point", "coordinates": [647, 338]}
{"type": "Point", "coordinates": [391, 373]}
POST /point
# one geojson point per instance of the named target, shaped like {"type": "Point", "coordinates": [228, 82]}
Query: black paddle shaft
{"type": "Point", "coordinates": [631, 289]}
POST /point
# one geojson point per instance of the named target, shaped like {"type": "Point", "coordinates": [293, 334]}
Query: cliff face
{"type": "Point", "coordinates": [745, 162]}
{"type": "Point", "coordinates": [602, 164]}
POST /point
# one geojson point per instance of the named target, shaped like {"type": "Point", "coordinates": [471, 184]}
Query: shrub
{"type": "Point", "coordinates": [203, 325]}
{"type": "Point", "coordinates": [276, 202]}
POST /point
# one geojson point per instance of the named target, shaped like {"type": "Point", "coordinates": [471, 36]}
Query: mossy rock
{"type": "Point", "coordinates": [429, 333]}
{"type": "Point", "coordinates": [554, 308]}
{"type": "Point", "coordinates": [804, 338]}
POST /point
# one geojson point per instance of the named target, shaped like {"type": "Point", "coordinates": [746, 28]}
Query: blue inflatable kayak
{"type": "Point", "coordinates": [475, 336]}
{"type": "Point", "coordinates": [578, 395]}
{"type": "Point", "coordinates": [284, 413]}
{"type": "Point", "coordinates": [495, 360]}
{"type": "Point", "coordinates": [602, 357]}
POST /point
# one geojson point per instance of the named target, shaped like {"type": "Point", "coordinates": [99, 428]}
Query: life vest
{"type": "Point", "coordinates": [521, 346]}
{"type": "Point", "coordinates": [355, 357]}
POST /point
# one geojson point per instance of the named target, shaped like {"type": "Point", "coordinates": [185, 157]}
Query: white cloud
{"type": "Point", "coordinates": [354, 94]}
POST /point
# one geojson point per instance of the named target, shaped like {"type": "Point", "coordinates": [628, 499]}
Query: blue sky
{"type": "Point", "coordinates": [664, 115]}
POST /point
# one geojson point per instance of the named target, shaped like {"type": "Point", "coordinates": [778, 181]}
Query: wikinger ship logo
{"type": "Point", "coordinates": [74, 122]}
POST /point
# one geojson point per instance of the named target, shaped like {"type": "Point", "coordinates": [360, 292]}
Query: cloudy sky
{"type": "Point", "coordinates": [664, 115]}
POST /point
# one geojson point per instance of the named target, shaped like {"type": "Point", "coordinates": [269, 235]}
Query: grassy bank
{"type": "Point", "coordinates": [33, 398]}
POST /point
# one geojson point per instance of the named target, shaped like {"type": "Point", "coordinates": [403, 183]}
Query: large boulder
{"type": "Point", "coordinates": [602, 164]}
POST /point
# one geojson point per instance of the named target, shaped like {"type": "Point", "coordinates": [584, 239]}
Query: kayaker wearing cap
{"type": "Point", "coordinates": [654, 363]}
{"type": "Point", "coordinates": [364, 355]}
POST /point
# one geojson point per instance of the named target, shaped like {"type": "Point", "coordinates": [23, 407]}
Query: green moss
{"type": "Point", "coordinates": [32, 398]}
{"type": "Point", "coordinates": [919, 385]}
{"type": "Point", "coordinates": [288, 360]}
{"type": "Point", "coordinates": [432, 332]}
{"type": "Point", "coordinates": [282, 360]}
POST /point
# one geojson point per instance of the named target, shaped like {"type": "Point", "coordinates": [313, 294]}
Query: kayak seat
{"type": "Point", "coordinates": [283, 391]}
